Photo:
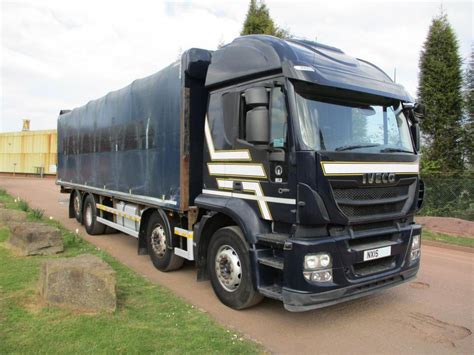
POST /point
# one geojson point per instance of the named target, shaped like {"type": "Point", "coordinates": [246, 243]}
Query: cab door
{"type": "Point", "coordinates": [248, 149]}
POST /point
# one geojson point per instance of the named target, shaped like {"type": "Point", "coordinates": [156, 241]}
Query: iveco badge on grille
{"type": "Point", "coordinates": [378, 178]}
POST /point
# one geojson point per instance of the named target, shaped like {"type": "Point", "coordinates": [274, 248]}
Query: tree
{"type": "Point", "coordinates": [439, 90]}
{"type": "Point", "coordinates": [258, 21]}
{"type": "Point", "coordinates": [468, 141]}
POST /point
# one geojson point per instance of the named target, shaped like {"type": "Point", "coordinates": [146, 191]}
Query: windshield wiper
{"type": "Point", "coordinates": [356, 146]}
{"type": "Point", "coordinates": [395, 150]}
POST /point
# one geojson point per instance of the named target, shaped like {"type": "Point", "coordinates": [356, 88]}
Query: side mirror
{"type": "Point", "coordinates": [419, 111]}
{"type": "Point", "coordinates": [257, 96]}
{"type": "Point", "coordinates": [257, 126]}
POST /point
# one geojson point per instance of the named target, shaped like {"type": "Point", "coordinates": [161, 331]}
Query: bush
{"type": "Point", "coordinates": [448, 195]}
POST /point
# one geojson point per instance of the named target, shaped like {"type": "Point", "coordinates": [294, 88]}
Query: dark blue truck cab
{"type": "Point", "coordinates": [282, 168]}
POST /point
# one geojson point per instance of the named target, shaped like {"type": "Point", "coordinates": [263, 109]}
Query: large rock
{"type": "Point", "coordinates": [33, 238]}
{"type": "Point", "coordinates": [84, 283]}
{"type": "Point", "coordinates": [9, 216]}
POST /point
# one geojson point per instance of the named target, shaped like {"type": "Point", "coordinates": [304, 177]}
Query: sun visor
{"type": "Point", "coordinates": [347, 80]}
{"type": "Point", "coordinates": [256, 56]}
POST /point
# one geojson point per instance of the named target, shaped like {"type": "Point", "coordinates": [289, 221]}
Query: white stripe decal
{"type": "Point", "coordinates": [223, 154]}
{"type": "Point", "coordinates": [245, 170]}
{"type": "Point", "coordinates": [285, 201]}
{"type": "Point", "coordinates": [349, 168]}
{"type": "Point", "coordinates": [257, 189]}
{"type": "Point", "coordinates": [225, 184]}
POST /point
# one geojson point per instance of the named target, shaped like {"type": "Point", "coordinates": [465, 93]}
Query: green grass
{"type": "Point", "coordinates": [37, 213]}
{"type": "Point", "coordinates": [23, 205]}
{"type": "Point", "coordinates": [448, 239]}
{"type": "Point", "coordinates": [148, 319]}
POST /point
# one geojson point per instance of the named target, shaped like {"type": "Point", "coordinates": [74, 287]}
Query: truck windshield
{"type": "Point", "coordinates": [329, 126]}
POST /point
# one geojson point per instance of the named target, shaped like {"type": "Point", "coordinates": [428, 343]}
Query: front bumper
{"type": "Point", "coordinates": [352, 276]}
{"type": "Point", "coordinates": [295, 301]}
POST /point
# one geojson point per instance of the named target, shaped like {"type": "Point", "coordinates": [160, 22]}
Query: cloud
{"type": "Point", "coordinates": [61, 54]}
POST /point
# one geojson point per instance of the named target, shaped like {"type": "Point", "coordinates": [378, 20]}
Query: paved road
{"type": "Point", "coordinates": [434, 314]}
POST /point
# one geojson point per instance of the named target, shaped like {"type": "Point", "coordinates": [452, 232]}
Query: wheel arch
{"type": "Point", "coordinates": [218, 213]}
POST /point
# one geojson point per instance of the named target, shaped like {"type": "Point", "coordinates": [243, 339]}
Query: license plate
{"type": "Point", "coordinates": [377, 253]}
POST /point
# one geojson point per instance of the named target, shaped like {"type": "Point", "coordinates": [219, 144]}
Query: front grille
{"type": "Point", "coordinates": [370, 226]}
{"type": "Point", "coordinates": [374, 266]}
{"type": "Point", "coordinates": [360, 202]}
{"type": "Point", "coordinates": [370, 193]}
{"type": "Point", "coordinates": [367, 242]}
{"type": "Point", "coordinates": [363, 211]}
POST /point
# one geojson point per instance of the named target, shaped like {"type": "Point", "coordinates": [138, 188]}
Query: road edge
{"type": "Point", "coordinates": [432, 243]}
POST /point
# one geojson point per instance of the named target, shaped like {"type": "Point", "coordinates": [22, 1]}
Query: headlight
{"type": "Point", "coordinates": [317, 267]}
{"type": "Point", "coordinates": [415, 242]}
{"type": "Point", "coordinates": [317, 261]}
{"type": "Point", "coordinates": [415, 251]}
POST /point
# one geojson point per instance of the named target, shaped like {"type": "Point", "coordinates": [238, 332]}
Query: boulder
{"type": "Point", "coordinates": [85, 283]}
{"type": "Point", "coordinates": [9, 216]}
{"type": "Point", "coordinates": [33, 238]}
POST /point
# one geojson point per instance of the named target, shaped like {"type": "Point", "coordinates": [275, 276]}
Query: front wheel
{"type": "Point", "coordinates": [230, 270]}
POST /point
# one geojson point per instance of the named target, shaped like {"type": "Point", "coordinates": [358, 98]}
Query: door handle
{"type": "Point", "coordinates": [237, 186]}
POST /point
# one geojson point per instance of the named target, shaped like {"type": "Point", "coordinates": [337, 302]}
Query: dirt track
{"type": "Point", "coordinates": [448, 225]}
{"type": "Point", "coordinates": [434, 314]}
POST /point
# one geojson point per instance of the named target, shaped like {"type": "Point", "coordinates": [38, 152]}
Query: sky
{"type": "Point", "coordinates": [60, 54]}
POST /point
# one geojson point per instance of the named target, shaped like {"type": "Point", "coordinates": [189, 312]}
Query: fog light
{"type": "Point", "coordinates": [322, 276]}
{"type": "Point", "coordinates": [318, 276]}
{"type": "Point", "coordinates": [317, 261]}
{"type": "Point", "coordinates": [415, 254]}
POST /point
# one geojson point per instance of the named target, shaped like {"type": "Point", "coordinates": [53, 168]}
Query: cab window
{"type": "Point", "coordinates": [279, 115]}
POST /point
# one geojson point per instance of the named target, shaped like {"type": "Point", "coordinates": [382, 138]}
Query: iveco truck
{"type": "Point", "coordinates": [282, 168]}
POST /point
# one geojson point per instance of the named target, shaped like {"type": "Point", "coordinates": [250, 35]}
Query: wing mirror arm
{"type": "Point", "coordinates": [415, 112]}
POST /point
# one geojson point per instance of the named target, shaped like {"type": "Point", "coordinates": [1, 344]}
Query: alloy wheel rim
{"type": "Point", "coordinates": [228, 268]}
{"type": "Point", "coordinates": [158, 241]}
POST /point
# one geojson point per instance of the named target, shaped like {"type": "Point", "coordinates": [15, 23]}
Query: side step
{"type": "Point", "coordinates": [272, 261]}
{"type": "Point", "coordinates": [272, 291]}
{"type": "Point", "coordinates": [273, 238]}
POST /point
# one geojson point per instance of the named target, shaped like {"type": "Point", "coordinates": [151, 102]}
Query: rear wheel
{"type": "Point", "coordinates": [160, 246]}
{"type": "Point", "coordinates": [77, 205]}
{"type": "Point", "coordinates": [89, 216]}
{"type": "Point", "coordinates": [230, 270]}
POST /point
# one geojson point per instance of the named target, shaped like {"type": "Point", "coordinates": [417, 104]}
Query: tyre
{"type": "Point", "coordinates": [77, 205]}
{"type": "Point", "coordinates": [230, 270]}
{"type": "Point", "coordinates": [89, 214]}
{"type": "Point", "coordinates": [160, 244]}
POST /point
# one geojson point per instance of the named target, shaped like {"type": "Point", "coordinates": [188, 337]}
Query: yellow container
{"type": "Point", "coordinates": [29, 152]}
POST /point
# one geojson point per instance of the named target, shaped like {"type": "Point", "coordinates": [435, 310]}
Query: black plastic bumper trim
{"type": "Point", "coordinates": [299, 302]}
